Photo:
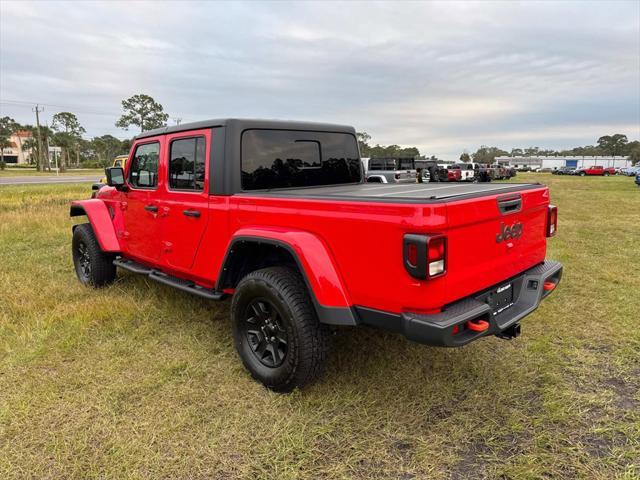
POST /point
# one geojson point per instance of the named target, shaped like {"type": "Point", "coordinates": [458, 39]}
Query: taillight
{"type": "Point", "coordinates": [425, 255]}
{"type": "Point", "coordinates": [436, 248]}
{"type": "Point", "coordinates": [552, 220]}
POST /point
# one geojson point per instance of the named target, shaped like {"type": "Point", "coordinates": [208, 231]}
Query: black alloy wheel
{"type": "Point", "coordinates": [265, 332]}
{"type": "Point", "coordinates": [84, 262]}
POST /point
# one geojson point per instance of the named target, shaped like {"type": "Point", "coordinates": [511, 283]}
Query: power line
{"type": "Point", "coordinates": [76, 108]}
{"type": "Point", "coordinates": [79, 109]}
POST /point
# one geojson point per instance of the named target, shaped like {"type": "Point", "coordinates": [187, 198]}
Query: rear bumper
{"type": "Point", "coordinates": [438, 329]}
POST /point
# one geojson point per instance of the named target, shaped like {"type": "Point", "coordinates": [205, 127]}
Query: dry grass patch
{"type": "Point", "coordinates": [140, 381]}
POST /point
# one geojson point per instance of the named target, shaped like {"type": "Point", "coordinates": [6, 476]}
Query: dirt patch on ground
{"type": "Point", "coordinates": [625, 393]}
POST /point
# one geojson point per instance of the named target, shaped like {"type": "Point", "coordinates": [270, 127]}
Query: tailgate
{"type": "Point", "coordinates": [493, 238]}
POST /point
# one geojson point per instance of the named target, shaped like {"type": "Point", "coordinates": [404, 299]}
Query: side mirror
{"type": "Point", "coordinates": [115, 177]}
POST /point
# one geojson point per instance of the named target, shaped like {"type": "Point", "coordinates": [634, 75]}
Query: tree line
{"type": "Point", "coordinates": [66, 132]}
{"type": "Point", "coordinates": [378, 150]}
{"type": "Point", "coordinates": [145, 113]}
{"type": "Point", "coordinates": [617, 145]}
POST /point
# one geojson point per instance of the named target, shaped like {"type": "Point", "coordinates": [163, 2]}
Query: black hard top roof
{"type": "Point", "coordinates": [245, 123]}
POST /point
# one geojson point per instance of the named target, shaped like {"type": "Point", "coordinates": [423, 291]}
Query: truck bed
{"type": "Point", "coordinates": [401, 193]}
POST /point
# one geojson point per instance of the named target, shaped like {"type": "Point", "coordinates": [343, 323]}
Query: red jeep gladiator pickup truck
{"type": "Point", "coordinates": [277, 215]}
{"type": "Point", "coordinates": [596, 170]}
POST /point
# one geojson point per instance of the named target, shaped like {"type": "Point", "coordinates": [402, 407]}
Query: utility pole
{"type": "Point", "coordinates": [41, 163]}
{"type": "Point", "coordinates": [54, 156]}
{"type": "Point", "coordinates": [177, 120]}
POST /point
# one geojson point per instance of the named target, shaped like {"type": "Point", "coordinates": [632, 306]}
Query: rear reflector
{"type": "Point", "coordinates": [412, 255]}
{"type": "Point", "coordinates": [552, 220]}
{"type": "Point", "coordinates": [548, 286]}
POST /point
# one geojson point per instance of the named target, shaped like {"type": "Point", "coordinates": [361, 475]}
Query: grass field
{"type": "Point", "coordinates": [142, 381]}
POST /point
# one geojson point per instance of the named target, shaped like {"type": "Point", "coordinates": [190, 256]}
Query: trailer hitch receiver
{"type": "Point", "coordinates": [510, 333]}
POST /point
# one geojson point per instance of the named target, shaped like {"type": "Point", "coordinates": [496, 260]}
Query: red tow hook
{"type": "Point", "coordinates": [477, 325]}
{"type": "Point", "coordinates": [548, 286]}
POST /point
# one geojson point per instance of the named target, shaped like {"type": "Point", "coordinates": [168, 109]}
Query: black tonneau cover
{"type": "Point", "coordinates": [397, 192]}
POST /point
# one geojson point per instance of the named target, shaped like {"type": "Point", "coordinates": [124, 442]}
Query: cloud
{"type": "Point", "coordinates": [441, 76]}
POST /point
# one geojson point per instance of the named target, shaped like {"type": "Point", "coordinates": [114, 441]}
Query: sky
{"type": "Point", "coordinates": [445, 77]}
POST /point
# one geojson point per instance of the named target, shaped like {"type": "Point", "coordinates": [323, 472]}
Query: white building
{"type": "Point", "coordinates": [14, 152]}
{"type": "Point", "coordinates": [555, 162]}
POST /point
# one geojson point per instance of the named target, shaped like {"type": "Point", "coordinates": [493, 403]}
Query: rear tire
{"type": "Point", "coordinates": [276, 330]}
{"type": "Point", "coordinates": [93, 267]}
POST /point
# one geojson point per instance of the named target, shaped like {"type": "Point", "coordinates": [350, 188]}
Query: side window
{"type": "Point", "coordinates": [144, 166]}
{"type": "Point", "coordinates": [406, 164]}
{"type": "Point", "coordinates": [375, 165]}
{"type": "Point", "coordinates": [186, 164]}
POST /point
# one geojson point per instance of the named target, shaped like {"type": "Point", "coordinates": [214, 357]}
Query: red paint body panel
{"type": "Point", "coordinates": [350, 251]}
{"type": "Point", "coordinates": [454, 175]}
{"type": "Point", "coordinates": [315, 258]}
{"type": "Point", "coordinates": [98, 214]}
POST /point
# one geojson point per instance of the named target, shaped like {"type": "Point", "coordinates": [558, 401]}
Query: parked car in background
{"type": "Point", "coordinates": [432, 172]}
{"type": "Point", "coordinates": [454, 175]}
{"type": "Point", "coordinates": [564, 171]}
{"type": "Point", "coordinates": [597, 170]}
{"type": "Point", "coordinates": [485, 172]}
{"type": "Point", "coordinates": [638, 179]}
{"type": "Point", "coordinates": [503, 171]}
{"type": "Point", "coordinates": [467, 171]}
{"type": "Point", "coordinates": [392, 169]}
{"type": "Point", "coordinates": [630, 171]}
{"type": "Point", "coordinates": [119, 161]}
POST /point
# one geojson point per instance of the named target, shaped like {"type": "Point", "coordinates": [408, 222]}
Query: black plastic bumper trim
{"type": "Point", "coordinates": [437, 329]}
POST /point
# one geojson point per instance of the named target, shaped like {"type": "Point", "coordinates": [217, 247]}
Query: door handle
{"type": "Point", "coordinates": [191, 213]}
{"type": "Point", "coordinates": [151, 208]}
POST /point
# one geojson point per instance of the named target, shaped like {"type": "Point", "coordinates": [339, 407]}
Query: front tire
{"type": "Point", "coordinates": [93, 267]}
{"type": "Point", "coordinates": [276, 330]}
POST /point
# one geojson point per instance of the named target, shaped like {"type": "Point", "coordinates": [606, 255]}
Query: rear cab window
{"type": "Point", "coordinates": [290, 158]}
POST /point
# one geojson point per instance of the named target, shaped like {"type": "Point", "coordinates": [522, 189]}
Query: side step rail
{"type": "Point", "coordinates": [132, 266]}
{"type": "Point", "coordinates": [179, 283]}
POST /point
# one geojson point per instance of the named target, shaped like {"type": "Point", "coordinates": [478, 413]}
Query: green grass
{"type": "Point", "coordinates": [142, 381]}
{"type": "Point", "coordinates": [32, 172]}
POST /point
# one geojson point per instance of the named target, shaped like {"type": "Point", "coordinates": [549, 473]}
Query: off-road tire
{"type": "Point", "coordinates": [86, 250]}
{"type": "Point", "coordinates": [307, 340]}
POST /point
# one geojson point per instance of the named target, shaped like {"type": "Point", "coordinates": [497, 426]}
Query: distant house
{"type": "Point", "coordinates": [557, 161]}
{"type": "Point", "coordinates": [14, 153]}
